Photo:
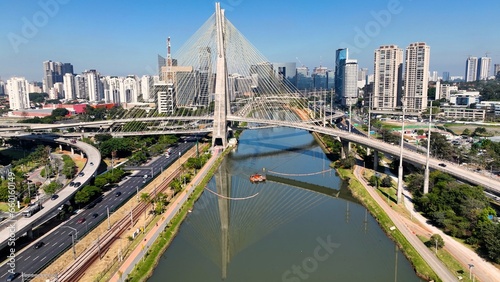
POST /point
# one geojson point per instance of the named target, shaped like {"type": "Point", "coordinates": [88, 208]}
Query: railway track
{"type": "Point", "coordinates": [78, 268]}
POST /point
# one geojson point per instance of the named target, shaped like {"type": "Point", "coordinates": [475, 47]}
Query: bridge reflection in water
{"type": "Point", "coordinates": [259, 238]}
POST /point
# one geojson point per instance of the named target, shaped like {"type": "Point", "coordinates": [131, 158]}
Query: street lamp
{"type": "Point", "coordinates": [400, 169]}
{"type": "Point", "coordinates": [426, 172]}
{"type": "Point", "coordinates": [470, 270]}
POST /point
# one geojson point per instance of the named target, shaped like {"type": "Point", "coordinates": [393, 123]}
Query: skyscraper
{"type": "Point", "coordinates": [388, 68]}
{"type": "Point", "coordinates": [304, 80]}
{"type": "Point", "coordinates": [341, 55]}
{"type": "Point", "coordinates": [471, 69]}
{"type": "Point", "coordinates": [350, 83]}
{"type": "Point", "coordinates": [320, 78]}
{"type": "Point", "coordinates": [69, 86]}
{"type": "Point", "coordinates": [496, 70]}
{"type": "Point", "coordinates": [417, 76]}
{"type": "Point", "coordinates": [446, 76]}
{"type": "Point", "coordinates": [17, 88]}
{"type": "Point", "coordinates": [483, 68]}
{"type": "Point", "coordinates": [94, 86]}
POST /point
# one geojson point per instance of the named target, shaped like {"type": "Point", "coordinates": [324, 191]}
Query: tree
{"type": "Point", "coordinates": [52, 187]}
{"type": "Point", "coordinates": [145, 199]}
{"type": "Point", "coordinates": [436, 241]}
{"type": "Point", "coordinates": [466, 132]}
{"type": "Point", "coordinates": [386, 181]}
{"type": "Point", "coordinates": [374, 181]}
{"type": "Point", "coordinates": [102, 137]}
{"type": "Point", "coordinates": [60, 112]}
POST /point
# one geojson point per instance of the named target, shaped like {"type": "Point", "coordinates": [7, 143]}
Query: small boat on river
{"type": "Point", "coordinates": [256, 178]}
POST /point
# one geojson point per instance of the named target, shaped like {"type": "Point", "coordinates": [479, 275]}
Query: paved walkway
{"type": "Point", "coordinates": [402, 225]}
{"type": "Point", "coordinates": [483, 270]}
{"type": "Point", "coordinates": [154, 233]}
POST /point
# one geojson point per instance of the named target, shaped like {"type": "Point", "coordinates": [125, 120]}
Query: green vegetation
{"type": "Point", "coordinates": [52, 187]}
{"type": "Point", "coordinates": [69, 168]}
{"type": "Point", "coordinates": [90, 192]}
{"type": "Point", "coordinates": [359, 191]}
{"type": "Point", "coordinates": [145, 267]}
{"type": "Point", "coordinates": [460, 210]}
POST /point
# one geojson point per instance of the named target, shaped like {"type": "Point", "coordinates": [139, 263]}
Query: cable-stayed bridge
{"type": "Point", "coordinates": [218, 77]}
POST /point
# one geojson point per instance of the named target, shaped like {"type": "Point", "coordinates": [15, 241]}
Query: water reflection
{"type": "Point", "coordinates": [297, 228]}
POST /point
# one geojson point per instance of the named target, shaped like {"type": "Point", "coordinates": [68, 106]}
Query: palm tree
{"type": "Point", "coordinates": [145, 199]}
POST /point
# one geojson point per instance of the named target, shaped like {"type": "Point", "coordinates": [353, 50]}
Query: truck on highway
{"type": "Point", "coordinates": [31, 210]}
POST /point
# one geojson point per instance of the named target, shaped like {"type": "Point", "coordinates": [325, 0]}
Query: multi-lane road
{"type": "Point", "coordinates": [31, 259]}
{"type": "Point", "coordinates": [24, 224]}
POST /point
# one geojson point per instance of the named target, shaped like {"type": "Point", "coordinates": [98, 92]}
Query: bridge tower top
{"type": "Point", "coordinates": [219, 137]}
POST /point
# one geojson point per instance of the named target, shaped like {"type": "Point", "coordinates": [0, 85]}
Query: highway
{"type": "Point", "coordinates": [31, 260]}
{"type": "Point", "coordinates": [23, 224]}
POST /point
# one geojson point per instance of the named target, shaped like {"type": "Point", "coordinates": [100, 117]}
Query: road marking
{"type": "Point", "coordinates": [61, 244]}
{"type": "Point", "coordinates": [43, 258]}
{"type": "Point", "coordinates": [36, 258]}
{"type": "Point", "coordinates": [27, 258]}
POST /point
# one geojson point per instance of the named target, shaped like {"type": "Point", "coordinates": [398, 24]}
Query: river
{"type": "Point", "coordinates": [272, 231]}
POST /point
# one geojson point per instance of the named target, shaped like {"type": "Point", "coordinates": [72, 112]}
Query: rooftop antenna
{"type": "Point", "coordinates": [487, 53]}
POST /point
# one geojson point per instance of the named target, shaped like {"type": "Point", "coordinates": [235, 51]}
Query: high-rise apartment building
{"type": "Point", "coordinates": [362, 77]}
{"type": "Point", "coordinates": [446, 76]}
{"type": "Point", "coordinates": [146, 87]}
{"type": "Point", "coordinates": [69, 86]}
{"type": "Point", "coordinates": [53, 72]}
{"type": "Point", "coordinates": [483, 68]}
{"type": "Point", "coordinates": [471, 69]}
{"type": "Point", "coordinates": [496, 70]}
{"type": "Point", "coordinates": [350, 83]}
{"type": "Point", "coordinates": [388, 68]}
{"type": "Point", "coordinates": [94, 86]}
{"type": "Point", "coordinates": [304, 80]}
{"type": "Point", "coordinates": [320, 78]}
{"type": "Point", "coordinates": [17, 88]}
{"type": "Point", "coordinates": [416, 76]}
{"type": "Point", "coordinates": [2, 88]}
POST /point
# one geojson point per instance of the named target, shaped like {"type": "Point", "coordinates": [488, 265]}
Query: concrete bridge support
{"type": "Point", "coordinates": [375, 160]}
{"type": "Point", "coordinates": [30, 233]}
{"type": "Point", "coordinates": [72, 151]}
{"type": "Point", "coordinates": [346, 149]}
{"type": "Point", "coordinates": [60, 147]}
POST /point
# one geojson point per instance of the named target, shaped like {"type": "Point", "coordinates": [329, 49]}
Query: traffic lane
{"type": "Point", "coordinates": [61, 238]}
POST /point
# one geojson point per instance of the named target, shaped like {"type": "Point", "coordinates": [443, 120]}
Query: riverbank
{"type": "Point", "coordinates": [357, 189]}
{"type": "Point", "coordinates": [145, 268]}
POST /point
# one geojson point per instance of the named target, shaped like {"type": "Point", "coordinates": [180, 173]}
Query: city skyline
{"type": "Point", "coordinates": [127, 40]}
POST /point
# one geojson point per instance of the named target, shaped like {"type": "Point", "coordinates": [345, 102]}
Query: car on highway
{"type": "Point", "coordinates": [60, 208]}
{"type": "Point", "coordinates": [118, 194]}
{"type": "Point", "coordinates": [12, 276]}
{"type": "Point", "coordinates": [94, 215]}
{"type": "Point", "coordinates": [81, 174]}
{"type": "Point", "coordinates": [38, 245]}
{"type": "Point", "coordinates": [81, 220]}
{"type": "Point", "coordinates": [91, 163]}
{"type": "Point", "coordinates": [55, 196]}
{"type": "Point", "coordinates": [71, 184]}
{"type": "Point", "coordinates": [77, 184]}
{"type": "Point", "coordinates": [442, 164]}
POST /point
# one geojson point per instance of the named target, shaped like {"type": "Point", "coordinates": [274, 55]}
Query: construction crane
{"type": "Point", "coordinates": [299, 61]}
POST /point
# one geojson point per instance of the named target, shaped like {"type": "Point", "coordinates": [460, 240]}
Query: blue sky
{"type": "Point", "coordinates": [123, 37]}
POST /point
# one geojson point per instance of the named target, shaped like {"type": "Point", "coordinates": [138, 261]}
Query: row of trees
{"type": "Point", "coordinates": [90, 192]}
{"type": "Point", "coordinates": [461, 210]}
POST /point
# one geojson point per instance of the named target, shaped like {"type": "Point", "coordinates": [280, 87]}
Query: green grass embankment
{"type": "Point", "coordinates": [421, 267]}
{"type": "Point", "coordinates": [144, 269]}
